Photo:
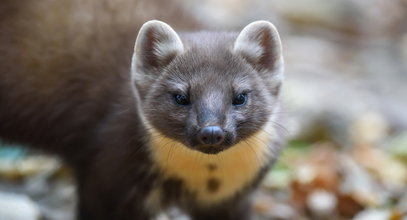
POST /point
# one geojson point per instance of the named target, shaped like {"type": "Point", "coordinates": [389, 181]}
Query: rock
{"type": "Point", "coordinates": [266, 207]}
{"type": "Point", "coordinates": [322, 203]}
{"type": "Point", "coordinates": [373, 214]}
{"type": "Point", "coordinates": [18, 207]}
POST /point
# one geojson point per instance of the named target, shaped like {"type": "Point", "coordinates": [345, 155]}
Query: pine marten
{"type": "Point", "coordinates": [184, 120]}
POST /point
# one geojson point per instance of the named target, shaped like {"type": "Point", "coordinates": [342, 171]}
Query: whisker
{"type": "Point", "coordinates": [254, 152]}
{"type": "Point", "coordinates": [282, 127]}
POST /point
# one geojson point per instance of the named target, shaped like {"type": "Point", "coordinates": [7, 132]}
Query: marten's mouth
{"type": "Point", "coordinates": [210, 149]}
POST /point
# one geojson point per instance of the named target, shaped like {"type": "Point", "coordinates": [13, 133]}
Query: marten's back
{"type": "Point", "coordinates": [64, 64]}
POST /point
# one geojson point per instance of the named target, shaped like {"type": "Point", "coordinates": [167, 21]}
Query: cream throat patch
{"type": "Point", "coordinates": [213, 177]}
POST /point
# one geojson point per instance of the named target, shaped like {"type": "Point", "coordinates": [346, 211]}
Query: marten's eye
{"type": "Point", "coordinates": [240, 99]}
{"type": "Point", "coordinates": [181, 99]}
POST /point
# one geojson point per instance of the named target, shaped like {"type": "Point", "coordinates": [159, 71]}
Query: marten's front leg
{"type": "Point", "coordinates": [114, 189]}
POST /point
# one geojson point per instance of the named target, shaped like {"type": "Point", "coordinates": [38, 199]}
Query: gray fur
{"type": "Point", "coordinates": [211, 69]}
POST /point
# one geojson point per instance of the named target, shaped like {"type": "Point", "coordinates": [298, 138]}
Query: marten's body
{"type": "Point", "coordinates": [63, 64]}
{"type": "Point", "coordinates": [189, 122]}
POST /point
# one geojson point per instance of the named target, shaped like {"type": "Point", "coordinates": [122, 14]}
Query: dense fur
{"type": "Point", "coordinates": [210, 68]}
{"type": "Point", "coordinates": [66, 87]}
{"type": "Point", "coordinates": [64, 60]}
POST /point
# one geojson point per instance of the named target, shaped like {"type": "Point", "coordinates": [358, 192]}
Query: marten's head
{"type": "Point", "coordinates": [208, 91]}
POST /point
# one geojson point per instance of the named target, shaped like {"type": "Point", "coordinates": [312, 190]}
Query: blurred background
{"type": "Point", "coordinates": [345, 99]}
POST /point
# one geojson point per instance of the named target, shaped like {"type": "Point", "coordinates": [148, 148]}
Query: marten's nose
{"type": "Point", "coordinates": [211, 135]}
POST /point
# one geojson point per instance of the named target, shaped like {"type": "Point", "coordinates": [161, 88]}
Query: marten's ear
{"type": "Point", "coordinates": [259, 43]}
{"type": "Point", "coordinates": [156, 45]}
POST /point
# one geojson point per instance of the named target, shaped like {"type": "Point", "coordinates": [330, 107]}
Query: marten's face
{"type": "Point", "coordinates": [208, 102]}
{"type": "Point", "coordinates": [208, 95]}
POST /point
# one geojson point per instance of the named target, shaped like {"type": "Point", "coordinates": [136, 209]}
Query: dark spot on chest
{"type": "Point", "coordinates": [213, 185]}
{"type": "Point", "coordinates": [212, 167]}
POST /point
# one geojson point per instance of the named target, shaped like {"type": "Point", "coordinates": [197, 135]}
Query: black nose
{"type": "Point", "coordinates": [211, 135]}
